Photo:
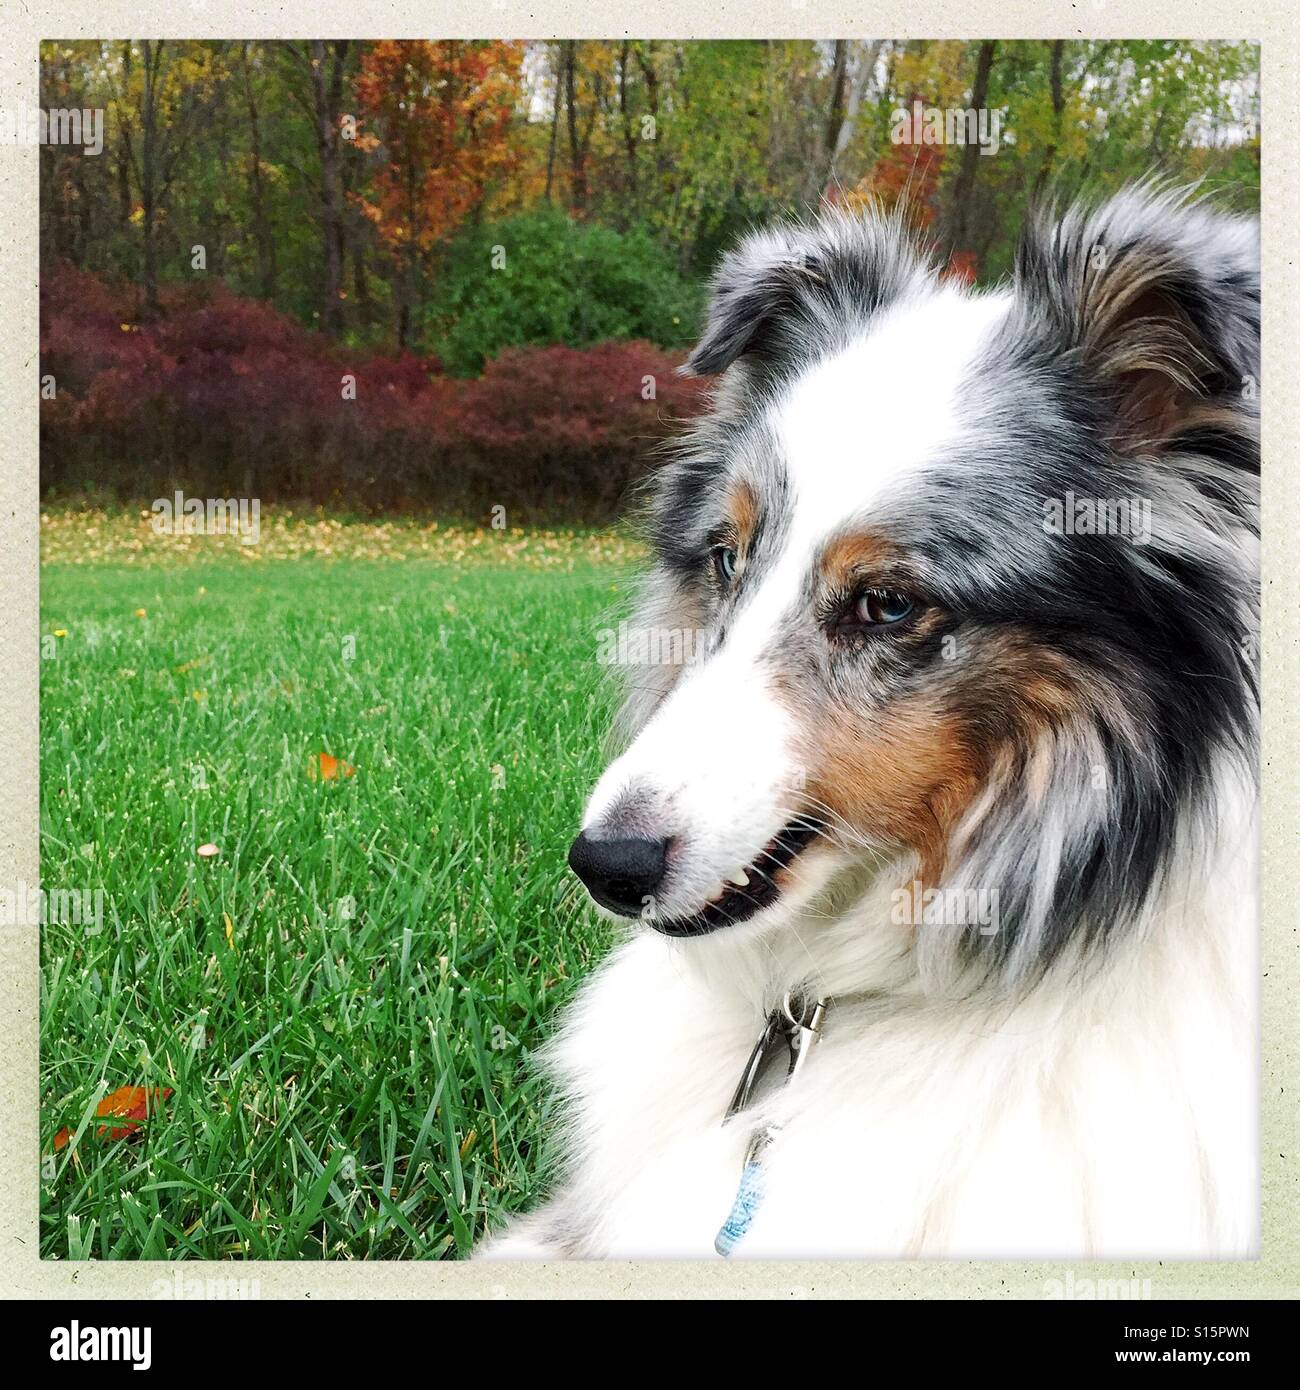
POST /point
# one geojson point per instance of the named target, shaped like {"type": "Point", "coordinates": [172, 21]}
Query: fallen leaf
{"type": "Point", "coordinates": [140, 613]}
{"type": "Point", "coordinates": [207, 851]}
{"type": "Point", "coordinates": [230, 930]}
{"type": "Point", "coordinates": [326, 768]}
{"type": "Point", "coordinates": [132, 1105]}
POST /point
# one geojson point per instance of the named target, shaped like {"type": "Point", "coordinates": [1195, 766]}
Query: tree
{"type": "Point", "coordinates": [257, 195]}
{"type": "Point", "coordinates": [324, 66]}
{"type": "Point", "coordinates": [160, 92]}
{"type": "Point", "coordinates": [440, 114]}
{"type": "Point", "coordinates": [964, 188]}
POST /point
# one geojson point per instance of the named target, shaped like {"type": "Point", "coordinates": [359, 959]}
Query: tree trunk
{"type": "Point", "coordinates": [266, 261]}
{"type": "Point", "coordinates": [645, 60]}
{"type": "Point", "coordinates": [1055, 81]}
{"type": "Point", "coordinates": [964, 187]}
{"type": "Point", "coordinates": [577, 169]}
{"type": "Point", "coordinates": [406, 299]}
{"type": "Point", "coordinates": [857, 89]}
{"type": "Point", "coordinates": [331, 200]}
{"type": "Point", "coordinates": [555, 125]}
{"type": "Point", "coordinates": [629, 129]}
{"type": "Point", "coordinates": [124, 150]}
{"type": "Point", "coordinates": [149, 171]}
{"type": "Point", "coordinates": [823, 169]}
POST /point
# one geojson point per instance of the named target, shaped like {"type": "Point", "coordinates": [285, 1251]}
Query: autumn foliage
{"type": "Point", "coordinates": [129, 1106]}
{"type": "Point", "coordinates": [225, 396]}
{"type": "Point", "coordinates": [439, 113]}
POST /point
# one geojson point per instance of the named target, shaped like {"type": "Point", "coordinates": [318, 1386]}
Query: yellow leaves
{"type": "Point", "coordinates": [126, 537]}
{"type": "Point", "coordinates": [936, 71]}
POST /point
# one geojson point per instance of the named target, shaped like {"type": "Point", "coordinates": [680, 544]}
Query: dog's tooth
{"type": "Point", "coordinates": [719, 894]}
{"type": "Point", "coordinates": [740, 879]}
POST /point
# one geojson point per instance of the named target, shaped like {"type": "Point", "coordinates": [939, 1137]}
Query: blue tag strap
{"type": "Point", "coordinates": [796, 1025]}
{"type": "Point", "coordinates": [743, 1210]}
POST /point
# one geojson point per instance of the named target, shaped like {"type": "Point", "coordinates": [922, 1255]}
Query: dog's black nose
{"type": "Point", "coordinates": [619, 874]}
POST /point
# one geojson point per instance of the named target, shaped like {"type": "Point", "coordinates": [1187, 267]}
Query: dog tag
{"type": "Point", "coordinates": [795, 1026]}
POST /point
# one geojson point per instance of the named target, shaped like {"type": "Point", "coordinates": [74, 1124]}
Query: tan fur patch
{"type": "Point", "coordinates": [906, 777]}
{"type": "Point", "coordinates": [851, 557]}
{"type": "Point", "coordinates": [742, 511]}
{"type": "Point", "coordinates": [909, 773]}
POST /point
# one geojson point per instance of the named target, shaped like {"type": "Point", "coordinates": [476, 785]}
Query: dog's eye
{"type": "Point", "coordinates": [724, 564]}
{"type": "Point", "coordinates": [883, 607]}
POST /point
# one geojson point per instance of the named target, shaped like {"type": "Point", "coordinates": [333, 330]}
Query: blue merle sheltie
{"type": "Point", "coordinates": [937, 851]}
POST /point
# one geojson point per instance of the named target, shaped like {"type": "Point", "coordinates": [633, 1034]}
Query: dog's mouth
{"type": "Point", "coordinates": [751, 890]}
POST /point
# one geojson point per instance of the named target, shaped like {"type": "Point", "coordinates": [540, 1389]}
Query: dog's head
{"type": "Point", "coordinates": [957, 586]}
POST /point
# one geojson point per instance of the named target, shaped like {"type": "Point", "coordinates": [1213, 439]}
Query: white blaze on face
{"type": "Point", "coordinates": [716, 761]}
{"type": "Point", "coordinates": [854, 428]}
{"type": "Point", "coordinates": [713, 759]}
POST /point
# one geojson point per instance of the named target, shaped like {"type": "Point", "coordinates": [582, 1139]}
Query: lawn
{"type": "Point", "coordinates": [342, 999]}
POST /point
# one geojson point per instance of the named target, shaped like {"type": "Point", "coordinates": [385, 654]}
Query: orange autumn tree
{"type": "Point", "coordinates": [438, 116]}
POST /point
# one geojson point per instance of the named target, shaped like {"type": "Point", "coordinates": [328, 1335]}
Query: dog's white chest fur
{"type": "Point", "coordinates": [1112, 1115]}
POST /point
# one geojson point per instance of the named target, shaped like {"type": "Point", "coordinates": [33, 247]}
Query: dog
{"type": "Point", "coordinates": [937, 857]}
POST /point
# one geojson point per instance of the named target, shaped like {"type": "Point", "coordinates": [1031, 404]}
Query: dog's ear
{"type": "Point", "coordinates": [1156, 300]}
{"type": "Point", "coordinates": [798, 288]}
{"type": "Point", "coordinates": [764, 279]}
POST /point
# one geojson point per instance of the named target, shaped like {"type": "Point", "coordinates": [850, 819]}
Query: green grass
{"type": "Point", "coordinates": [344, 998]}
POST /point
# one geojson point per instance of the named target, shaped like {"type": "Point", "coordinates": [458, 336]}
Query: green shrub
{"type": "Point", "coordinates": [561, 281]}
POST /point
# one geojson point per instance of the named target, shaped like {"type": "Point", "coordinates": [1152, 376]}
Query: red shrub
{"type": "Point", "coordinates": [225, 395]}
{"type": "Point", "coordinates": [569, 423]}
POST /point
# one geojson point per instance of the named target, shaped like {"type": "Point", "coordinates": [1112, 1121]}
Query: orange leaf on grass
{"type": "Point", "coordinates": [326, 768]}
{"type": "Point", "coordinates": [130, 1104]}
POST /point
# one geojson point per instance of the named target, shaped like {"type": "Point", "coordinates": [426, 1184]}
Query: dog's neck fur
{"type": "Point", "coordinates": [1107, 1111]}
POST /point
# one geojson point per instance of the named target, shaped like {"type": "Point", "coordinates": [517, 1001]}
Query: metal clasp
{"type": "Point", "coordinates": [796, 1023]}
